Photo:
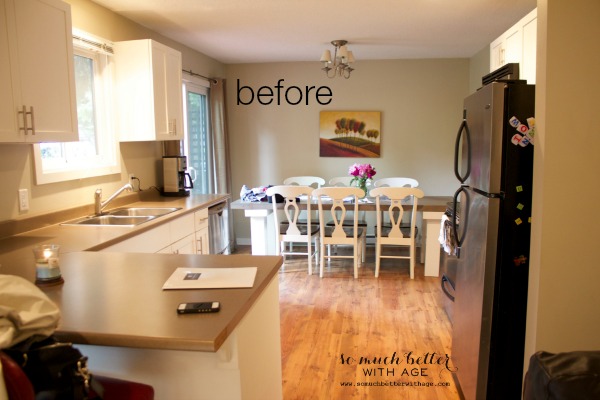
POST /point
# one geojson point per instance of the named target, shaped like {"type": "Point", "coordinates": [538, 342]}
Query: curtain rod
{"type": "Point", "coordinates": [213, 80]}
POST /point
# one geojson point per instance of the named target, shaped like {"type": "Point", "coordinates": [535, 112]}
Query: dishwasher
{"type": "Point", "coordinates": [218, 227]}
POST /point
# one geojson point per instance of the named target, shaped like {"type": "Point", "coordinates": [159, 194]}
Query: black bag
{"type": "Point", "coordinates": [563, 376]}
{"type": "Point", "coordinates": [56, 370]}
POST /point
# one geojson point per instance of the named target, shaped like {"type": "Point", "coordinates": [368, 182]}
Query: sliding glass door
{"type": "Point", "coordinates": [197, 141]}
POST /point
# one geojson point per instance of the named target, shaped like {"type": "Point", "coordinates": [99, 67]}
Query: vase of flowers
{"type": "Point", "coordinates": [361, 174]}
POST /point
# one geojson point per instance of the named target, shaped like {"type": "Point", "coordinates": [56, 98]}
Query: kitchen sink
{"type": "Point", "coordinates": [143, 211]}
{"type": "Point", "coordinates": [126, 216]}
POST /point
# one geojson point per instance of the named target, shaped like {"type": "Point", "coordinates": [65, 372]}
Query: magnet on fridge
{"type": "Point", "coordinates": [520, 206]}
{"type": "Point", "coordinates": [516, 139]}
{"type": "Point", "coordinates": [529, 219]}
{"type": "Point", "coordinates": [520, 260]}
{"type": "Point", "coordinates": [524, 141]}
{"type": "Point", "coordinates": [514, 122]}
{"type": "Point", "coordinates": [519, 188]}
{"type": "Point", "coordinates": [518, 221]}
{"type": "Point", "coordinates": [523, 129]}
{"type": "Point", "coordinates": [531, 122]}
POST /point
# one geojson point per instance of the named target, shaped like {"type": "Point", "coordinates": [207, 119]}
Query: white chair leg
{"type": "Point", "coordinates": [317, 251]}
{"type": "Point", "coordinates": [412, 262]}
{"type": "Point", "coordinates": [364, 247]}
{"type": "Point", "coordinates": [309, 256]}
{"type": "Point", "coordinates": [357, 251]}
{"type": "Point", "coordinates": [322, 253]}
{"type": "Point", "coordinates": [377, 258]}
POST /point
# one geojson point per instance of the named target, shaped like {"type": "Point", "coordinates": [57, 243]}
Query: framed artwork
{"type": "Point", "coordinates": [350, 134]}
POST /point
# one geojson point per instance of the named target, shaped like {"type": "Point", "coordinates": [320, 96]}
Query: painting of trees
{"type": "Point", "coordinates": [350, 134]}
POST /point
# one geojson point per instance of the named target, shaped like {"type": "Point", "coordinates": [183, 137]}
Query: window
{"type": "Point", "coordinates": [197, 141]}
{"type": "Point", "coordinates": [96, 152]}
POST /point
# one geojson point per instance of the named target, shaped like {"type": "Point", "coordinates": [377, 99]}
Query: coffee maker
{"type": "Point", "coordinates": [176, 180]}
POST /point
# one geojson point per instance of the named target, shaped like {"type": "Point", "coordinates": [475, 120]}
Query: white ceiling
{"type": "Point", "coordinates": [249, 31]}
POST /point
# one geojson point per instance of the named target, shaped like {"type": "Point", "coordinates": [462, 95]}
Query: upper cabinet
{"type": "Point", "coordinates": [517, 45]}
{"type": "Point", "coordinates": [37, 85]}
{"type": "Point", "coordinates": [148, 91]}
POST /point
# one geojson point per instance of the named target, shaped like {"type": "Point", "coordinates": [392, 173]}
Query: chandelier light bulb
{"type": "Point", "coordinates": [340, 61]}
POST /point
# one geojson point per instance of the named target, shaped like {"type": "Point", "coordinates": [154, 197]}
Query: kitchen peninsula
{"type": "Point", "coordinates": [114, 309]}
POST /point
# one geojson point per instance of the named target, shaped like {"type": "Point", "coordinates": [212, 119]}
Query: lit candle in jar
{"type": "Point", "coordinates": [46, 263]}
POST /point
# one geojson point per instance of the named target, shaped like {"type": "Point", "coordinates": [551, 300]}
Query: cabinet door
{"type": "Point", "coordinates": [186, 245]}
{"type": "Point", "coordinates": [202, 244]}
{"type": "Point", "coordinates": [528, 64]}
{"type": "Point", "coordinates": [152, 241]}
{"type": "Point", "coordinates": [43, 57]}
{"type": "Point", "coordinates": [168, 108]}
{"type": "Point", "coordinates": [149, 91]}
{"type": "Point", "coordinates": [9, 131]}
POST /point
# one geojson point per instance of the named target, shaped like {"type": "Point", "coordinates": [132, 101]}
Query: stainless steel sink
{"type": "Point", "coordinates": [143, 211]}
{"type": "Point", "coordinates": [126, 216]}
{"type": "Point", "coordinates": [110, 220]}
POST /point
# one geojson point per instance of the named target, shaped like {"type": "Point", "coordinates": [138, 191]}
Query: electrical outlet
{"type": "Point", "coordinates": [23, 200]}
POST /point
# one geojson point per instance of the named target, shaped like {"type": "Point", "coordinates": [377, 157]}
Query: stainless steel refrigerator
{"type": "Point", "coordinates": [494, 164]}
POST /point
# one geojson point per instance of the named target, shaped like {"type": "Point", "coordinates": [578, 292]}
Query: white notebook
{"type": "Point", "coordinates": [211, 278]}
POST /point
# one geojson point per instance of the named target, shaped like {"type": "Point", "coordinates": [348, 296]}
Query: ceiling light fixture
{"type": "Point", "coordinates": [340, 64]}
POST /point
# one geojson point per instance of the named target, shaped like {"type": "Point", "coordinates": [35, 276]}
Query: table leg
{"type": "Point", "coordinates": [431, 232]}
{"type": "Point", "coordinates": [261, 237]}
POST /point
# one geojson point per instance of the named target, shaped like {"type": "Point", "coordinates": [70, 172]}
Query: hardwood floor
{"type": "Point", "coordinates": [365, 338]}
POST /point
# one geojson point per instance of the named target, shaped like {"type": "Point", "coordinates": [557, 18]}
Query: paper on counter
{"type": "Point", "coordinates": [211, 278]}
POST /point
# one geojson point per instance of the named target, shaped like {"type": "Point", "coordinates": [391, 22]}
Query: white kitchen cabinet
{"type": "Point", "coordinates": [187, 234]}
{"type": "Point", "coordinates": [187, 245]}
{"type": "Point", "coordinates": [517, 45]}
{"type": "Point", "coordinates": [148, 91]}
{"type": "Point", "coordinates": [152, 241]}
{"type": "Point", "coordinates": [201, 234]}
{"type": "Point", "coordinates": [37, 84]}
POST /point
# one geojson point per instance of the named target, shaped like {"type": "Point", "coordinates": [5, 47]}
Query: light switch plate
{"type": "Point", "coordinates": [23, 200]}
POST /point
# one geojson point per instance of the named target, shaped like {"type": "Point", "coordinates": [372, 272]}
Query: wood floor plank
{"type": "Point", "coordinates": [328, 324]}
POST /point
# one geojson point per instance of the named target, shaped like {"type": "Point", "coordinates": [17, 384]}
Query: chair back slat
{"type": "Point", "coordinates": [395, 212]}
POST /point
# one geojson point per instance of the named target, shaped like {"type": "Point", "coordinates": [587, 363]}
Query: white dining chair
{"type": "Point", "coordinates": [396, 182]}
{"type": "Point", "coordinates": [395, 234]}
{"type": "Point", "coordinates": [313, 181]}
{"type": "Point", "coordinates": [342, 181]}
{"type": "Point", "coordinates": [345, 181]}
{"type": "Point", "coordinates": [287, 226]}
{"type": "Point", "coordinates": [338, 233]}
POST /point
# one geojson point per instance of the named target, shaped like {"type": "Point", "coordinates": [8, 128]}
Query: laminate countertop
{"type": "Point", "coordinates": [116, 299]}
{"type": "Point", "coordinates": [16, 255]}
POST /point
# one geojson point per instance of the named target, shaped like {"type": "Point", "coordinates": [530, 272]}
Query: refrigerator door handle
{"type": "Point", "coordinates": [499, 195]}
{"type": "Point", "coordinates": [464, 217]}
{"type": "Point", "coordinates": [464, 128]}
{"type": "Point", "coordinates": [445, 280]}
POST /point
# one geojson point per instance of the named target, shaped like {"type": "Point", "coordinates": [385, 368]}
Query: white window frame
{"type": "Point", "coordinates": [108, 160]}
{"type": "Point", "coordinates": [201, 86]}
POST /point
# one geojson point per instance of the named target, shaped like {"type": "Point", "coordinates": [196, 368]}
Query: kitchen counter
{"type": "Point", "coordinates": [115, 311]}
{"type": "Point", "coordinates": [116, 299]}
{"type": "Point", "coordinates": [16, 256]}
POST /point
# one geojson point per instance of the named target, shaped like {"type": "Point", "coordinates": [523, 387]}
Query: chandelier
{"type": "Point", "coordinates": [340, 63]}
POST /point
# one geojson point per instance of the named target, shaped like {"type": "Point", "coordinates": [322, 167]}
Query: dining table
{"type": "Point", "coordinates": [430, 210]}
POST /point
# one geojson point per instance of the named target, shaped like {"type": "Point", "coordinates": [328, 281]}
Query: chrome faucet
{"type": "Point", "coordinates": [99, 204]}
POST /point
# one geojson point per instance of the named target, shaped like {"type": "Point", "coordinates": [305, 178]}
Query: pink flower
{"type": "Point", "coordinates": [362, 171]}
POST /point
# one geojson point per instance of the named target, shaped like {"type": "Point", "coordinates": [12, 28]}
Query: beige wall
{"type": "Point", "coordinates": [421, 108]}
{"type": "Point", "coordinates": [479, 66]}
{"type": "Point", "coordinates": [142, 158]}
{"type": "Point", "coordinates": [564, 297]}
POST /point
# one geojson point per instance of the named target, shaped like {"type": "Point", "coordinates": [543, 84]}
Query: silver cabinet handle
{"type": "Point", "coordinates": [32, 129]}
{"type": "Point", "coordinates": [25, 128]}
